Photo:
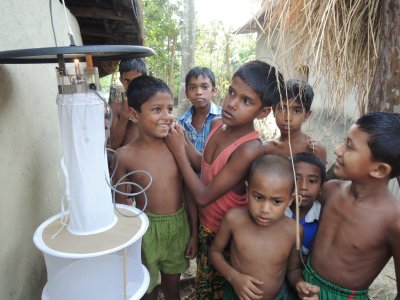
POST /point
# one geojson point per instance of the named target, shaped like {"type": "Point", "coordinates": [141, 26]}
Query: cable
{"type": "Point", "coordinates": [114, 188]}
{"type": "Point", "coordinates": [134, 10]}
{"type": "Point", "coordinates": [52, 22]}
{"type": "Point", "coordinates": [70, 33]}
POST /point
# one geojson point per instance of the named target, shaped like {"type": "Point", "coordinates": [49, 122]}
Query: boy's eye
{"type": "Point", "coordinates": [298, 111]}
{"type": "Point", "coordinates": [276, 201]}
{"type": "Point", "coordinates": [156, 109]}
{"type": "Point", "coordinates": [170, 109]}
{"type": "Point", "coordinates": [246, 100]}
{"type": "Point", "coordinates": [348, 144]}
{"type": "Point", "coordinates": [230, 91]}
{"type": "Point", "coordinates": [258, 197]}
{"type": "Point", "coordinates": [282, 109]}
{"type": "Point", "coordinates": [313, 180]}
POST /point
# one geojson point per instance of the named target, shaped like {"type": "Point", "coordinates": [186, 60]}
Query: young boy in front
{"type": "Point", "coordinates": [359, 229]}
{"type": "Point", "coordinates": [200, 90]}
{"type": "Point", "coordinates": [168, 236]}
{"type": "Point", "coordinates": [262, 240]}
{"type": "Point", "coordinates": [232, 146]}
{"type": "Point", "coordinates": [123, 131]}
{"type": "Point", "coordinates": [290, 114]}
{"type": "Point", "coordinates": [310, 175]}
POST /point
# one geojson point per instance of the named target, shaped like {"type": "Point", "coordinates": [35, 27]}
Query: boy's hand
{"type": "Point", "coordinates": [175, 139]}
{"type": "Point", "coordinates": [191, 248]}
{"type": "Point", "coordinates": [246, 287]}
{"type": "Point", "coordinates": [307, 291]}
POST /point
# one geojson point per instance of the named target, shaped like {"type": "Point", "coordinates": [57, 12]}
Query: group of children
{"type": "Point", "coordinates": [218, 192]}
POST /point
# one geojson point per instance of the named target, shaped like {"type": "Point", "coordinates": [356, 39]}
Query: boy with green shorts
{"type": "Point", "coordinates": [169, 240]}
{"type": "Point", "coordinates": [359, 228]}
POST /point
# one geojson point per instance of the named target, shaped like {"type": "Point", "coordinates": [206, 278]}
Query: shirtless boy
{"type": "Point", "coordinates": [290, 114]}
{"type": "Point", "coordinates": [168, 236]}
{"type": "Point", "coordinates": [262, 240]}
{"type": "Point", "coordinates": [123, 130]}
{"type": "Point", "coordinates": [359, 229]}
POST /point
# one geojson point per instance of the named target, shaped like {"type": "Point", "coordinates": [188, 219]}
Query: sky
{"type": "Point", "coordinates": [233, 13]}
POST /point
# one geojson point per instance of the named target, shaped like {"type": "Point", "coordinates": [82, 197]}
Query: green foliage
{"type": "Point", "coordinates": [211, 47]}
{"type": "Point", "coordinates": [162, 33]}
{"type": "Point", "coordinates": [216, 47]}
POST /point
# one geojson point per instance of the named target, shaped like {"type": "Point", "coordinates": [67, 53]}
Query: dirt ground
{"type": "Point", "coordinates": [384, 286]}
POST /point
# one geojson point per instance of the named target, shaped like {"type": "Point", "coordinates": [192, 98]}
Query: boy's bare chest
{"type": "Point", "coordinates": [282, 148]}
{"type": "Point", "coordinates": [352, 226]}
{"type": "Point", "coordinates": [153, 161]}
{"type": "Point", "coordinates": [257, 244]}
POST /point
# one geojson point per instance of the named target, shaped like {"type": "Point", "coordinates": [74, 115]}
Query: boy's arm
{"type": "Point", "coordinates": [294, 275]}
{"type": "Point", "coordinates": [119, 123]}
{"type": "Point", "coordinates": [394, 242]}
{"type": "Point", "coordinates": [192, 210]}
{"type": "Point", "coordinates": [120, 171]}
{"type": "Point", "coordinates": [193, 155]}
{"type": "Point", "coordinates": [230, 175]}
{"type": "Point", "coordinates": [244, 285]}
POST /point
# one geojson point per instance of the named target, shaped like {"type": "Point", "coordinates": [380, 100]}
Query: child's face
{"type": "Point", "coordinates": [156, 116]}
{"type": "Point", "coordinates": [242, 104]}
{"type": "Point", "coordinates": [200, 91]}
{"type": "Point", "coordinates": [128, 76]}
{"type": "Point", "coordinates": [308, 178]}
{"type": "Point", "coordinates": [290, 117]}
{"type": "Point", "coordinates": [353, 156]}
{"type": "Point", "coordinates": [268, 197]}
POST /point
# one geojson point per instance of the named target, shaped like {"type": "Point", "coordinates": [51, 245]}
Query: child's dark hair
{"type": "Point", "coordinates": [311, 159]}
{"type": "Point", "coordinates": [301, 92]}
{"type": "Point", "coordinates": [135, 64]}
{"type": "Point", "coordinates": [383, 131]}
{"type": "Point", "coordinates": [141, 88]}
{"type": "Point", "coordinates": [264, 79]}
{"type": "Point", "coordinates": [199, 71]}
{"type": "Point", "coordinates": [273, 164]}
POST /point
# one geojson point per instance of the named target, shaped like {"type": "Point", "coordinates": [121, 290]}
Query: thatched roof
{"type": "Point", "coordinates": [255, 24]}
{"type": "Point", "coordinates": [106, 22]}
{"type": "Point", "coordinates": [339, 39]}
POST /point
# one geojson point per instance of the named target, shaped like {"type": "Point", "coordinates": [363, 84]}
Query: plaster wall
{"type": "Point", "coordinates": [31, 181]}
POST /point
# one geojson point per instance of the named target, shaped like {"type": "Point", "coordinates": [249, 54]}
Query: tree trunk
{"type": "Point", "coordinates": [187, 51]}
{"type": "Point", "coordinates": [228, 56]}
{"type": "Point", "coordinates": [172, 63]}
{"type": "Point", "coordinates": [385, 89]}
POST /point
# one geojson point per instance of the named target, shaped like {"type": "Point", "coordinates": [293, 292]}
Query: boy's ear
{"type": "Point", "coordinates": [381, 170]}
{"type": "Point", "coordinates": [264, 112]}
{"type": "Point", "coordinates": [291, 199]}
{"type": "Point", "coordinates": [133, 114]}
{"type": "Point", "coordinates": [307, 115]}
{"type": "Point", "coordinates": [214, 91]}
